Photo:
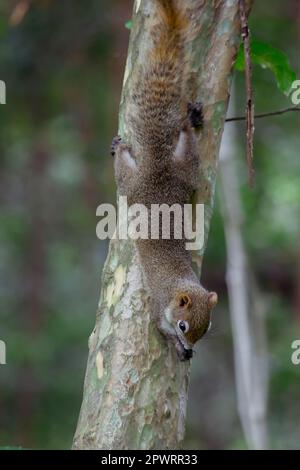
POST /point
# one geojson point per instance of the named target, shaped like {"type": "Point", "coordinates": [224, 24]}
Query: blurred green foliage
{"type": "Point", "coordinates": [269, 57]}
{"type": "Point", "coordinates": [63, 63]}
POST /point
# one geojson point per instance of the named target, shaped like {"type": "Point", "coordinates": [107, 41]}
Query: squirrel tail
{"type": "Point", "coordinates": [158, 94]}
{"type": "Point", "coordinates": [171, 28]}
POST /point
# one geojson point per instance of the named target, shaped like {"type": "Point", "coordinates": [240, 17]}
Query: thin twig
{"type": "Point", "coordinates": [249, 91]}
{"type": "Point", "coordinates": [262, 115]}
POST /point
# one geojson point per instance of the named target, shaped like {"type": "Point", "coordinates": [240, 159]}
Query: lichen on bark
{"type": "Point", "coordinates": [135, 390]}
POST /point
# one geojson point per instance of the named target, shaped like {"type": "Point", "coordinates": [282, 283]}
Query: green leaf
{"type": "Point", "coordinates": [269, 57]}
{"type": "Point", "coordinates": [128, 24]}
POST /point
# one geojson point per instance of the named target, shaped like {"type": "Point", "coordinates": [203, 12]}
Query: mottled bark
{"type": "Point", "coordinates": [135, 390]}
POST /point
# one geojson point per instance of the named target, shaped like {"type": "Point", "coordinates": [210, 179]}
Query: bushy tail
{"type": "Point", "coordinates": [170, 32]}
{"type": "Point", "coordinates": [158, 92]}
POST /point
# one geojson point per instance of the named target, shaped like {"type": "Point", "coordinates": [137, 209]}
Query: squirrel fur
{"type": "Point", "coordinates": [161, 166]}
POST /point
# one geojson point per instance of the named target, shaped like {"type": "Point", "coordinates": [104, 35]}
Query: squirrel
{"type": "Point", "coordinates": [161, 166]}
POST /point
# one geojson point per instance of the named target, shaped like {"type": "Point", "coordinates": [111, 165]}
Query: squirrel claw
{"type": "Point", "coordinates": [195, 114]}
{"type": "Point", "coordinates": [115, 143]}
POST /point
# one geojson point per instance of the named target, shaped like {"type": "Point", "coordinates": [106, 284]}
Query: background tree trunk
{"type": "Point", "coordinates": [135, 389]}
{"type": "Point", "coordinates": [247, 306]}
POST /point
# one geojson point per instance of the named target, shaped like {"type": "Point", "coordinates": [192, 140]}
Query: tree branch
{"type": "Point", "coordinates": [249, 91]}
{"type": "Point", "coordinates": [263, 115]}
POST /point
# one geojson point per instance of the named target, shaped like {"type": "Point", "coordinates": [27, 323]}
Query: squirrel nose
{"type": "Point", "coordinates": [188, 353]}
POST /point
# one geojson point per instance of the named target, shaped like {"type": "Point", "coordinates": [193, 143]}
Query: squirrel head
{"type": "Point", "coordinates": [189, 315]}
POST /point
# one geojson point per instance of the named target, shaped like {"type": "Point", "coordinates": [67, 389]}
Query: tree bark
{"type": "Point", "coordinates": [135, 390]}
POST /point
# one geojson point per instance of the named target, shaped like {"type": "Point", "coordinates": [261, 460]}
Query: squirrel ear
{"type": "Point", "coordinates": [212, 299]}
{"type": "Point", "coordinates": [183, 300]}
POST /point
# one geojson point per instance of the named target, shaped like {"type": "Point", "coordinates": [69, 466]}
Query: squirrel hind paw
{"type": "Point", "coordinates": [195, 114]}
{"type": "Point", "coordinates": [115, 144]}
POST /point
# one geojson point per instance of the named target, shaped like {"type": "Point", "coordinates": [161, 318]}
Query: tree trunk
{"type": "Point", "coordinates": [135, 390]}
{"type": "Point", "coordinates": [247, 309]}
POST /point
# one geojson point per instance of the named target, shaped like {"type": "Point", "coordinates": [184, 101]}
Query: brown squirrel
{"type": "Point", "coordinates": [162, 166]}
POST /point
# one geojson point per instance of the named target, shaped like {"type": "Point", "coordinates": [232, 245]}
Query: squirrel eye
{"type": "Point", "coordinates": [183, 326]}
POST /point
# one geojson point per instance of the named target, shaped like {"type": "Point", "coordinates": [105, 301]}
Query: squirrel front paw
{"type": "Point", "coordinates": [195, 114]}
{"type": "Point", "coordinates": [115, 144]}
